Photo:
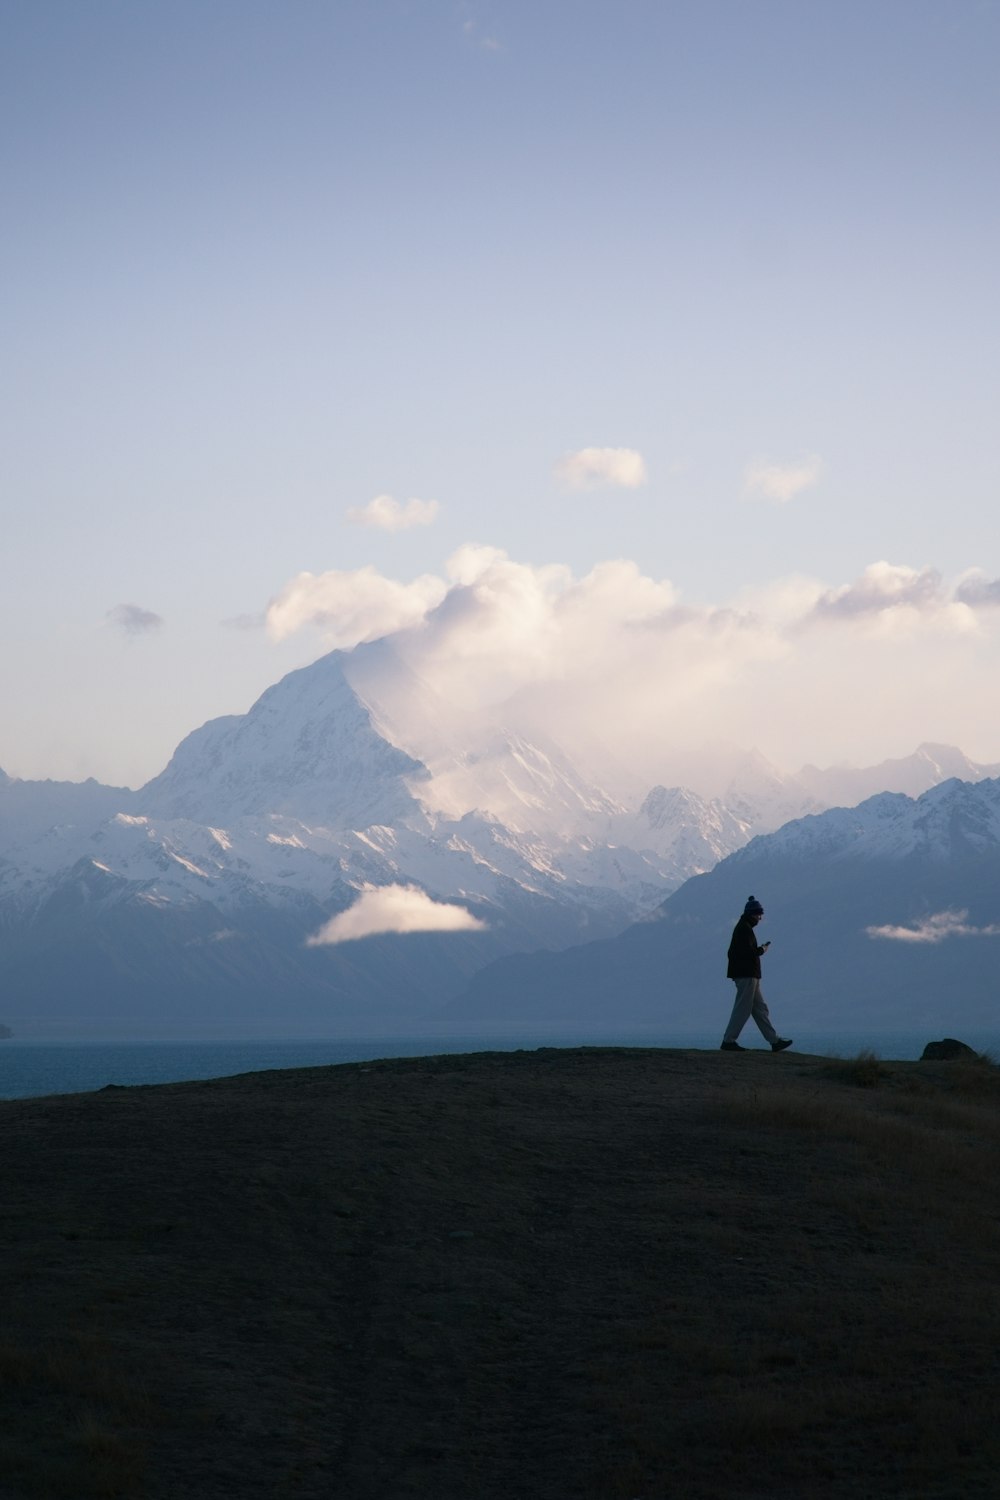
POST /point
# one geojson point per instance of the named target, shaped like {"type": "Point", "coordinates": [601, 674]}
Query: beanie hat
{"type": "Point", "coordinates": [753, 908]}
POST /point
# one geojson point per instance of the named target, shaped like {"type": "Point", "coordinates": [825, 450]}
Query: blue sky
{"type": "Point", "coordinates": [265, 262]}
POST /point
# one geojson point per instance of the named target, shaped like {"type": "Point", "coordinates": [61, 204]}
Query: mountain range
{"type": "Point", "coordinates": [882, 916]}
{"type": "Point", "coordinates": [198, 904]}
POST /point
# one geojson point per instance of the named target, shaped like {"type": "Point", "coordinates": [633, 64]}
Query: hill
{"type": "Point", "coordinates": [595, 1272]}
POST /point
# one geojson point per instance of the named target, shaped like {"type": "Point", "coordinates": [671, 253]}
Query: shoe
{"type": "Point", "coordinates": [734, 1047]}
{"type": "Point", "coordinates": [781, 1044]}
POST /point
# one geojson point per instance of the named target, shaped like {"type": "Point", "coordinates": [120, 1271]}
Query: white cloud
{"type": "Point", "coordinates": [351, 607]}
{"type": "Point", "coordinates": [883, 586]}
{"type": "Point", "coordinates": [386, 514]}
{"type": "Point", "coordinates": [935, 929]}
{"type": "Point", "coordinates": [590, 467]}
{"type": "Point", "coordinates": [616, 666]}
{"type": "Point", "coordinates": [613, 655]}
{"type": "Point", "coordinates": [132, 620]}
{"type": "Point", "coordinates": [782, 482]}
{"type": "Point", "coordinates": [394, 908]}
{"type": "Point", "coordinates": [895, 600]}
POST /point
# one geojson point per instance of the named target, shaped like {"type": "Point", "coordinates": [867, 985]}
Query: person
{"type": "Point", "coordinates": [744, 969]}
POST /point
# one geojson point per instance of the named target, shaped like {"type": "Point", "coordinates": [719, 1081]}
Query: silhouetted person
{"type": "Point", "coordinates": [744, 970]}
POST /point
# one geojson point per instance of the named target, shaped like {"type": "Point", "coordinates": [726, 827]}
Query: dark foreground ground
{"type": "Point", "coordinates": [600, 1273]}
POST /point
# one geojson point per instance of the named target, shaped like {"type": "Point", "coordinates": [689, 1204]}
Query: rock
{"type": "Point", "coordinates": [946, 1051]}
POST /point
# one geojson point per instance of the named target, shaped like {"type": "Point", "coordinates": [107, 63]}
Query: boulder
{"type": "Point", "coordinates": [946, 1051]}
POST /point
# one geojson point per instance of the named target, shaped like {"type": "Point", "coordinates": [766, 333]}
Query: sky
{"type": "Point", "coordinates": [634, 358]}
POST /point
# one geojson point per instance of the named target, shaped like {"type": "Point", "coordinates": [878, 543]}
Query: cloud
{"type": "Point", "coordinates": [623, 672]}
{"type": "Point", "coordinates": [884, 586]}
{"type": "Point", "coordinates": [394, 908]}
{"type": "Point", "coordinates": [978, 591]}
{"type": "Point", "coordinates": [935, 929]}
{"type": "Point", "coordinates": [132, 620]}
{"type": "Point", "coordinates": [351, 607]}
{"type": "Point", "coordinates": [386, 514]}
{"type": "Point", "coordinates": [782, 482]}
{"type": "Point", "coordinates": [591, 467]}
{"type": "Point", "coordinates": [895, 600]}
{"type": "Point", "coordinates": [615, 654]}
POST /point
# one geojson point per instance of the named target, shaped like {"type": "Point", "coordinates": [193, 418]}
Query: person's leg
{"type": "Point", "coordinates": [762, 1016]}
{"type": "Point", "coordinates": [742, 1006]}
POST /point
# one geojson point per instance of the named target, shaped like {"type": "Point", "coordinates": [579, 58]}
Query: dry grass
{"type": "Point", "coordinates": [600, 1273]}
{"type": "Point", "coordinates": [865, 1070]}
{"type": "Point", "coordinates": [91, 1412]}
{"type": "Point", "coordinates": [905, 1181]}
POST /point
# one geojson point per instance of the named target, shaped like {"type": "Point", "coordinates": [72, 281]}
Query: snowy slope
{"type": "Point", "coordinates": [681, 832]}
{"type": "Point", "coordinates": [307, 747]}
{"type": "Point", "coordinates": [529, 787]}
{"type": "Point", "coordinates": [952, 820]}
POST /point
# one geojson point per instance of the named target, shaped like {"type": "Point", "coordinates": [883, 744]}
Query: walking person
{"type": "Point", "coordinates": [744, 969]}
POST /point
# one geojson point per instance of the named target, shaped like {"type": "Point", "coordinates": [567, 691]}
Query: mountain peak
{"type": "Point", "coordinates": [307, 747]}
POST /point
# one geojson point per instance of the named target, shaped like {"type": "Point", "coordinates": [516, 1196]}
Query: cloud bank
{"type": "Point", "coordinates": [393, 908]}
{"type": "Point", "coordinates": [935, 929]}
{"type": "Point", "coordinates": [386, 514]}
{"type": "Point", "coordinates": [591, 467]}
{"type": "Point", "coordinates": [620, 670]}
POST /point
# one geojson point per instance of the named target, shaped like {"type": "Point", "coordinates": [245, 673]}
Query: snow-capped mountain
{"type": "Point", "coordinates": [764, 798]}
{"type": "Point", "coordinates": [202, 889]}
{"type": "Point", "coordinates": [928, 766]}
{"type": "Point", "coordinates": [885, 915]}
{"type": "Point", "coordinates": [953, 821]}
{"type": "Point", "coordinates": [306, 748]}
{"type": "Point", "coordinates": [29, 809]}
{"type": "Point", "coordinates": [194, 899]}
{"type": "Point", "coordinates": [693, 833]}
{"type": "Point", "coordinates": [529, 787]}
{"type": "Point", "coordinates": [682, 833]}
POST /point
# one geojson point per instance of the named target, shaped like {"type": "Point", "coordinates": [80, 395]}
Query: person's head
{"type": "Point", "coordinates": [753, 911]}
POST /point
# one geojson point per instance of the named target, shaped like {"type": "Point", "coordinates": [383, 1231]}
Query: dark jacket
{"type": "Point", "coordinates": [744, 952]}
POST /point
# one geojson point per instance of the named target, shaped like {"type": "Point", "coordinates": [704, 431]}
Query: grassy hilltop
{"type": "Point", "coordinates": [611, 1274]}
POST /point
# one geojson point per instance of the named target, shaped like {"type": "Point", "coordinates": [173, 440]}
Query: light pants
{"type": "Point", "coordinates": [749, 1002]}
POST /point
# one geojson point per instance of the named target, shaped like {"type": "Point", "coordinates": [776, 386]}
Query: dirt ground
{"type": "Point", "coordinates": [613, 1274]}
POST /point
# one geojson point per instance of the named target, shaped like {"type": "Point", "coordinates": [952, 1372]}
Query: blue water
{"type": "Point", "coordinates": [29, 1069]}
